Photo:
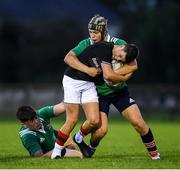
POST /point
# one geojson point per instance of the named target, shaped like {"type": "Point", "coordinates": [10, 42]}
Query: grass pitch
{"type": "Point", "coordinates": [120, 149]}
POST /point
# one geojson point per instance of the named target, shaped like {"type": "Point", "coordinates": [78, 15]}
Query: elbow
{"type": "Point", "coordinates": [66, 59]}
{"type": "Point", "coordinates": [38, 154]}
{"type": "Point", "coordinates": [135, 67]}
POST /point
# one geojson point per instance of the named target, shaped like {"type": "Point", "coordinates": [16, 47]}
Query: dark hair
{"type": "Point", "coordinates": [132, 52]}
{"type": "Point", "coordinates": [25, 113]}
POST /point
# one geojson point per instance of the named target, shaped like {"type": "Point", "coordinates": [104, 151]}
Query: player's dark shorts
{"type": "Point", "coordinates": [121, 99]}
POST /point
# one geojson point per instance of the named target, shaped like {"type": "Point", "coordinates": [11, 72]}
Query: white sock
{"type": "Point", "coordinates": [56, 151]}
{"type": "Point", "coordinates": [78, 137]}
{"type": "Point", "coordinates": [58, 146]}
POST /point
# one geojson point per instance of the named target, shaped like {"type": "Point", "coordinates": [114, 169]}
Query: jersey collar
{"type": "Point", "coordinates": [42, 127]}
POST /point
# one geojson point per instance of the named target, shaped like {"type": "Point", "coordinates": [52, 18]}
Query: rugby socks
{"type": "Point", "coordinates": [59, 150]}
{"type": "Point", "coordinates": [84, 132]}
{"type": "Point", "coordinates": [150, 144]}
{"type": "Point", "coordinates": [80, 135]}
{"type": "Point", "coordinates": [93, 144]}
{"type": "Point", "coordinates": [61, 138]}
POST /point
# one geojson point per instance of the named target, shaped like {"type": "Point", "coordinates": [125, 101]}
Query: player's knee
{"type": "Point", "coordinates": [72, 120]}
{"type": "Point", "coordinates": [94, 123]}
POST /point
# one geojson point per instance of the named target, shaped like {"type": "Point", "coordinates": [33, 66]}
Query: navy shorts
{"type": "Point", "coordinates": [121, 100]}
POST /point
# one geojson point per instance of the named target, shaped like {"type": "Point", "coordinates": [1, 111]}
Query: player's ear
{"type": "Point", "coordinates": [23, 124]}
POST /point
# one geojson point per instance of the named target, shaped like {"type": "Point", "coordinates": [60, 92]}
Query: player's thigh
{"type": "Point", "coordinates": [72, 90]}
{"type": "Point", "coordinates": [89, 93]}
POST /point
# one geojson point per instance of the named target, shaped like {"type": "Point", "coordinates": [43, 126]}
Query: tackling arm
{"type": "Point", "coordinates": [71, 60]}
{"type": "Point", "coordinates": [110, 75]}
{"type": "Point", "coordinates": [59, 109]}
{"type": "Point", "coordinates": [128, 68]}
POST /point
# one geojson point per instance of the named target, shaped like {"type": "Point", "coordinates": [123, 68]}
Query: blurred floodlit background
{"type": "Point", "coordinates": [35, 35]}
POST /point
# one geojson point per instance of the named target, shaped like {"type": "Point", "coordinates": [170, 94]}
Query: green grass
{"type": "Point", "coordinates": [121, 149]}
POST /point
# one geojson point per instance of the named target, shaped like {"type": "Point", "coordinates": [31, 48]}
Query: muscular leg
{"type": "Point", "coordinates": [100, 132]}
{"type": "Point", "coordinates": [92, 116]}
{"type": "Point", "coordinates": [133, 115]}
{"type": "Point", "coordinates": [72, 112]}
{"type": "Point", "coordinates": [96, 135]}
{"type": "Point", "coordinates": [92, 120]}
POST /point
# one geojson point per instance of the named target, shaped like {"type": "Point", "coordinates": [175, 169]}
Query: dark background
{"type": "Point", "coordinates": [35, 35]}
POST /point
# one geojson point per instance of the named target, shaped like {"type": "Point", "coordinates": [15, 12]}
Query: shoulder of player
{"type": "Point", "coordinates": [117, 41]}
{"type": "Point", "coordinates": [86, 42]}
{"type": "Point", "coordinates": [26, 132]}
{"type": "Point", "coordinates": [44, 111]}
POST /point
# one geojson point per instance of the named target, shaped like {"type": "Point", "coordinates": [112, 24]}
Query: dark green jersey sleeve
{"type": "Point", "coordinates": [31, 143]}
{"type": "Point", "coordinates": [81, 46]}
{"type": "Point", "coordinates": [46, 113]}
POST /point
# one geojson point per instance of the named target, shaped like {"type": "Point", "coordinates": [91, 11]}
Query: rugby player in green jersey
{"type": "Point", "coordinates": [37, 135]}
{"type": "Point", "coordinates": [118, 96]}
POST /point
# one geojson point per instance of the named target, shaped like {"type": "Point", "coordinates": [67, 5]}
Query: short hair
{"type": "Point", "coordinates": [132, 52]}
{"type": "Point", "coordinates": [25, 113]}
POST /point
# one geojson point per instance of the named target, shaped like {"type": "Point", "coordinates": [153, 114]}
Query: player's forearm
{"type": "Point", "coordinates": [128, 68]}
{"type": "Point", "coordinates": [59, 109]}
{"type": "Point", "coordinates": [114, 77]}
{"type": "Point", "coordinates": [69, 153]}
{"type": "Point", "coordinates": [41, 154]}
{"type": "Point", "coordinates": [110, 75]}
{"type": "Point", "coordinates": [71, 60]}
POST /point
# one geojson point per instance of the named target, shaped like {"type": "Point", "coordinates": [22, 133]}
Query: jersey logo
{"type": "Point", "coordinates": [95, 62]}
{"type": "Point", "coordinates": [42, 140]}
{"type": "Point", "coordinates": [131, 100]}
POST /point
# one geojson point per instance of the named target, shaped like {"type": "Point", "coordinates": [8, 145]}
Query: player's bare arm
{"type": "Point", "coordinates": [40, 153]}
{"type": "Point", "coordinates": [110, 75]}
{"type": "Point", "coordinates": [71, 60]}
{"type": "Point", "coordinates": [59, 109]}
{"type": "Point", "coordinates": [69, 153]}
{"type": "Point", "coordinates": [128, 68]}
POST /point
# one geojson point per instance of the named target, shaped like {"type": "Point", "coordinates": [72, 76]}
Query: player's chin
{"type": "Point", "coordinates": [95, 41]}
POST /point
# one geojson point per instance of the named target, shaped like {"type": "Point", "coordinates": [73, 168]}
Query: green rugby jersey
{"type": "Point", "coordinates": [43, 139]}
{"type": "Point", "coordinates": [101, 89]}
